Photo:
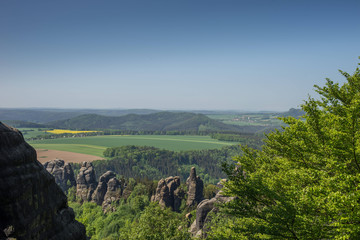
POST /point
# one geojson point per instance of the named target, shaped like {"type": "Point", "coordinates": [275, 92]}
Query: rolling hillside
{"type": "Point", "coordinates": [49, 115]}
{"type": "Point", "coordinates": [162, 121]}
{"type": "Point", "coordinates": [23, 124]}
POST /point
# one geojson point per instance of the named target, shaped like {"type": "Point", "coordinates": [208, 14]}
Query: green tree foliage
{"type": "Point", "coordinates": [134, 218]}
{"type": "Point", "coordinates": [225, 227]}
{"type": "Point", "coordinates": [210, 191]}
{"type": "Point", "coordinates": [91, 215]}
{"type": "Point", "coordinates": [156, 223]}
{"type": "Point", "coordinates": [108, 226]}
{"type": "Point", "coordinates": [304, 183]}
{"type": "Point", "coordinates": [139, 198]}
{"type": "Point", "coordinates": [71, 194]}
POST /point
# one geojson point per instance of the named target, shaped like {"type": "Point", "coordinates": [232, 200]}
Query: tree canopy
{"type": "Point", "coordinates": [304, 182]}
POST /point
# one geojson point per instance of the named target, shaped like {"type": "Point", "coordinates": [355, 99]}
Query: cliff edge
{"type": "Point", "coordinates": [32, 206]}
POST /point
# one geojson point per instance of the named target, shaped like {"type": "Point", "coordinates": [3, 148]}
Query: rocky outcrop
{"type": "Point", "coordinates": [86, 182]}
{"type": "Point", "coordinates": [109, 190]}
{"type": "Point", "coordinates": [162, 194]}
{"type": "Point", "coordinates": [113, 194]}
{"type": "Point", "coordinates": [101, 189]}
{"type": "Point", "coordinates": [63, 173]}
{"type": "Point", "coordinates": [32, 205]}
{"type": "Point", "coordinates": [168, 193]}
{"type": "Point", "coordinates": [195, 189]}
{"type": "Point", "coordinates": [198, 227]}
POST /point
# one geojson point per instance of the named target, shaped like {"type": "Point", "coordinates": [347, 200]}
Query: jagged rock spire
{"type": "Point", "coordinates": [195, 189]}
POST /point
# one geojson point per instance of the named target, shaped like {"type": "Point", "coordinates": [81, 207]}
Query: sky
{"type": "Point", "coordinates": [248, 55]}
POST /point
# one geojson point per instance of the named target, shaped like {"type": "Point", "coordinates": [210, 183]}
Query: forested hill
{"type": "Point", "coordinates": [161, 121]}
{"type": "Point", "coordinates": [48, 115]}
{"type": "Point", "coordinates": [293, 112]}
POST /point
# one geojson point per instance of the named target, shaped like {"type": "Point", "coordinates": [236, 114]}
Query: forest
{"type": "Point", "coordinates": [143, 162]}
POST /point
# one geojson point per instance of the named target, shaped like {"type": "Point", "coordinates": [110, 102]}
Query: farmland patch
{"type": "Point", "coordinates": [44, 155]}
{"type": "Point", "coordinates": [96, 145]}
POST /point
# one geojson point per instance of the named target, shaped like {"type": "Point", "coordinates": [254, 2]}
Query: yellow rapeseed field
{"type": "Point", "coordinates": [60, 131]}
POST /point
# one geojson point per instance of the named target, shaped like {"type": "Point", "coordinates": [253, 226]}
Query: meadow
{"type": "Point", "coordinates": [95, 145]}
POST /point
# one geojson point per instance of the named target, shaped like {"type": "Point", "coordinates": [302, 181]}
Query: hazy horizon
{"type": "Point", "coordinates": [135, 109]}
{"type": "Point", "coordinates": [173, 55]}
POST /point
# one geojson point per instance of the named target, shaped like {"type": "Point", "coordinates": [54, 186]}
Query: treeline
{"type": "Point", "coordinates": [221, 135]}
{"type": "Point", "coordinates": [143, 162]}
{"type": "Point", "coordinates": [148, 132]}
{"type": "Point", "coordinates": [66, 135]}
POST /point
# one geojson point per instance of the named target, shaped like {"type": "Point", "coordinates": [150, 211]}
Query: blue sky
{"type": "Point", "coordinates": [173, 54]}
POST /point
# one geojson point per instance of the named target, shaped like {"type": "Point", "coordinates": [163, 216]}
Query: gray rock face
{"type": "Point", "coordinates": [86, 182]}
{"type": "Point", "coordinates": [198, 228]}
{"type": "Point", "coordinates": [63, 173]}
{"type": "Point", "coordinates": [168, 193]}
{"type": "Point", "coordinates": [109, 190]}
{"type": "Point", "coordinates": [162, 194]}
{"type": "Point", "coordinates": [202, 211]}
{"type": "Point", "coordinates": [32, 205]}
{"type": "Point", "coordinates": [100, 191]}
{"type": "Point", "coordinates": [195, 189]}
{"type": "Point", "coordinates": [113, 194]}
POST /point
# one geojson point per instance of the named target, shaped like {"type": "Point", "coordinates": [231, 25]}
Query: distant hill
{"type": "Point", "coordinates": [23, 124]}
{"type": "Point", "coordinates": [35, 116]}
{"type": "Point", "coordinates": [293, 112]}
{"type": "Point", "coordinates": [161, 121]}
{"type": "Point", "coordinates": [49, 115]}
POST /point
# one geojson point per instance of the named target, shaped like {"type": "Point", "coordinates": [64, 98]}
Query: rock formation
{"type": "Point", "coordinates": [113, 194]}
{"type": "Point", "coordinates": [168, 193]}
{"type": "Point", "coordinates": [195, 189]}
{"type": "Point", "coordinates": [109, 190]}
{"type": "Point", "coordinates": [32, 205]}
{"type": "Point", "coordinates": [86, 182]}
{"type": "Point", "coordinates": [63, 173]}
{"type": "Point", "coordinates": [198, 227]}
{"type": "Point", "coordinates": [100, 191]}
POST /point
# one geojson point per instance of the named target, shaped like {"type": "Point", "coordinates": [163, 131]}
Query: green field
{"type": "Point", "coordinates": [97, 144]}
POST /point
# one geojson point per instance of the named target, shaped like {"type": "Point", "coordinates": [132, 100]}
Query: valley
{"type": "Point", "coordinates": [179, 120]}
